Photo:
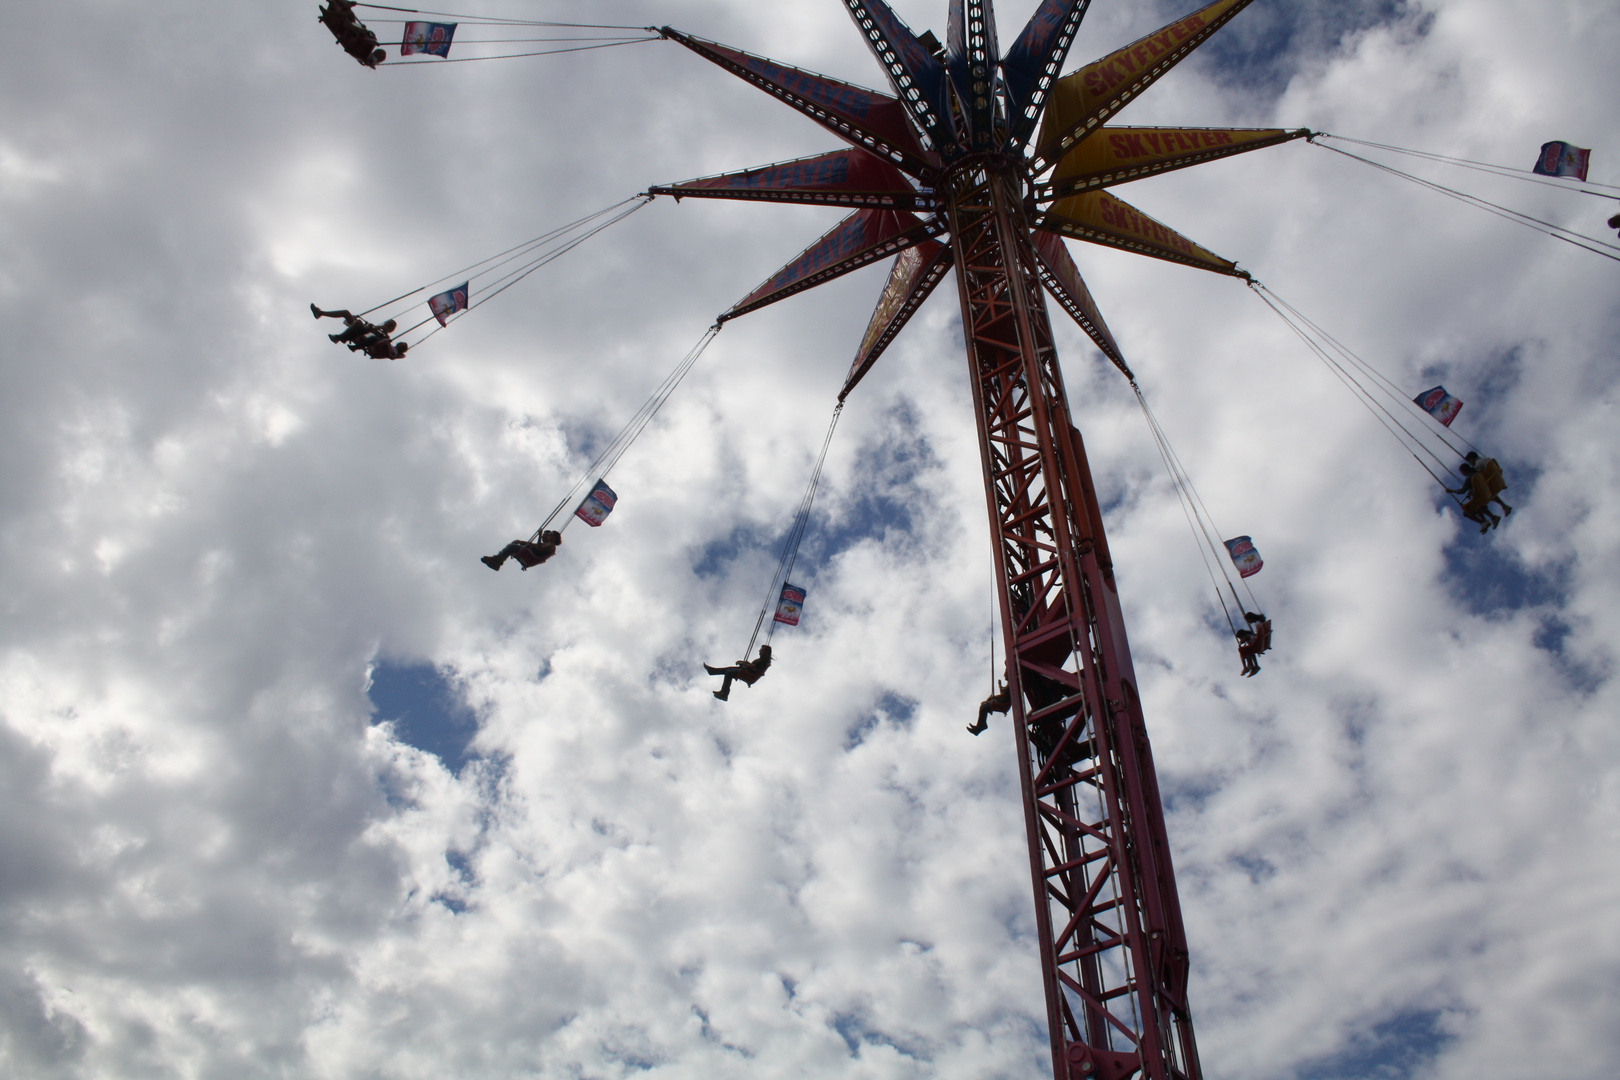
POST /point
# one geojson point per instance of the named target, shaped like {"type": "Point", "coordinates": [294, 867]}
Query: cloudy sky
{"type": "Point", "coordinates": [291, 785]}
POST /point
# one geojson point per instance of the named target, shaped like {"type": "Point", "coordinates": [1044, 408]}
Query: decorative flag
{"type": "Point", "coordinates": [428, 38]}
{"type": "Point", "coordinates": [1562, 159]}
{"type": "Point", "coordinates": [447, 304]}
{"type": "Point", "coordinates": [597, 505]}
{"type": "Point", "coordinates": [789, 605]}
{"type": "Point", "coordinates": [1439, 404]}
{"type": "Point", "coordinates": [1244, 556]}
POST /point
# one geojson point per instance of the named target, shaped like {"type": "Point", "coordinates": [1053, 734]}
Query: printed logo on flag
{"type": "Point", "coordinates": [1562, 159]}
{"type": "Point", "coordinates": [448, 303]}
{"type": "Point", "coordinates": [427, 38]}
{"type": "Point", "coordinates": [1439, 404]}
{"type": "Point", "coordinates": [789, 605]}
{"type": "Point", "coordinates": [1244, 556]}
{"type": "Point", "coordinates": [597, 505]}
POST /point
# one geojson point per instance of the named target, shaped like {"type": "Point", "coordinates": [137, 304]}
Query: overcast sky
{"type": "Point", "coordinates": [234, 558]}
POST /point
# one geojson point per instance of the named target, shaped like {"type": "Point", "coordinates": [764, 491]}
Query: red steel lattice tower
{"type": "Point", "coordinates": [951, 172]}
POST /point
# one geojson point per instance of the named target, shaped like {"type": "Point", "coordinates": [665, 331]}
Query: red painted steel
{"type": "Point", "coordinates": [1113, 951]}
{"type": "Point", "coordinates": [1114, 959]}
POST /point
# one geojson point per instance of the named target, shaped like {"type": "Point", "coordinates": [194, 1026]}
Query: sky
{"type": "Point", "coordinates": [292, 786]}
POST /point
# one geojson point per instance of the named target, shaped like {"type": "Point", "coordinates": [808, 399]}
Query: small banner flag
{"type": "Point", "coordinates": [1439, 404]}
{"type": "Point", "coordinates": [448, 303]}
{"type": "Point", "coordinates": [427, 38]}
{"type": "Point", "coordinates": [1244, 556]}
{"type": "Point", "coordinates": [597, 505]}
{"type": "Point", "coordinates": [1562, 159]}
{"type": "Point", "coordinates": [789, 605]}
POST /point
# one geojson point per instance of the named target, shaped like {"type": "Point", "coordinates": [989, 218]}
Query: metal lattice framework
{"type": "Point", "coordinates": [982, 161]}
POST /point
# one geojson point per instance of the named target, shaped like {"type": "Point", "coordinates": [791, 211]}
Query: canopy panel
{"type": "Point", "coordinates": [1034, 60]}
{"type": "Point", "coordinates": [915, 73]}
{"type": "Point", "coordinates": [915, 274]}
{"type": "Point", "coordinates": [1099, 218]}
{"type": "Point", "coordinates": [1085, 98]}
{"type": "Point", "coordinates": [855, 114]}
{"type": "Point", "coordinates": [1117, 155]}
{"type": "Point", "coordinates": [1062, 279]}
{"type": "Point", "coordinates": [851, 178]}
{"type": "Point", "coordinates": [862, 238]}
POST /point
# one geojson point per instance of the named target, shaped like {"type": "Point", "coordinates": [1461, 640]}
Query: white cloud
{"type": "Point", "coordinates": [213, 522]}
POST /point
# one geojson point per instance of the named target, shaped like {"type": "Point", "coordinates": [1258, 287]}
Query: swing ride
{"type": "Point", "coordinates": [978, 165]}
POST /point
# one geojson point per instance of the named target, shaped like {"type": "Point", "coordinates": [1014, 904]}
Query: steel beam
{"type": "Point", "coordinates": [1113, 951]}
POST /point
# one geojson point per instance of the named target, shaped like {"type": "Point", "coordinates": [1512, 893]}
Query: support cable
{"type": "Point", "coordinates": [542, 238]}
{"type": "Point", "coordinates": [1433, 427]}
{"type": "Point", "coordinates": [1557, 232]}
{"type": "Point", "coordinates": [512, 277]}
{"type": "Point", "coordinates": [436, 60]}
{"type": "Point", "coordinates": [615, 449]}
{"type": "Point", "coordinates": [496, 19]}
{"type": "Point", "coordinates": [1403, 435]}
{"type": "Point", "coordinates": [1508, 171]}
{"type": "Point", "coordinates": [790, 553]}
{"type": "Point", "coordinates": [1206, 536]}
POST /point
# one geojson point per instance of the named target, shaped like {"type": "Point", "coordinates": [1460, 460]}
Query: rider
{"type": "Point", "coordinates": [1483, 484]}
{"type": "Point", "coordinates": [526, 552]}
{"type": "Point", "coordinates": [362, 336]}
{"type": "Point", "coordinates": [355, 37]}
{"type": "Point", "coordinates": [1246, 652]}
{"type": "Point", "coordinates": [749, 671]}
{"type": "Point", "coordinates": [999, 702]}
{"type": "Point", "coordinates": [1262, 631]}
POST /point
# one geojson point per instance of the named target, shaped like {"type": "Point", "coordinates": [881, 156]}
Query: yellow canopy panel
{"type": "Point", "coordinates": [1114, 155]}
{"type": "Point", "coordinates": [1099, 218]}
{"type": "Point", "coordinates": [1082, 100]}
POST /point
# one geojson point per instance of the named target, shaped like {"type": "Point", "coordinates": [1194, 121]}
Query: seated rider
{"type": "Point", "coordinates": [1494, 482]}
{"type": "Point", "coordinates": [526, 552]}
{"type": "Point", "coordinates": [362, 336]}
{"type": "Point", "coordinates": [355, 37]}
{"type": "Point", "coordinates": [999, 702]}
{"type": "Point", "coordinates": [1246, 652]}
{"type": "Point", "coordinates": [381, 348]}
{"type": "Point", "coordinates": [1483, 484]}
{"type": "Point", "coordinates": [357, 332]}
{"type": "Point", "coordinates": [749, 671]}
{"type": "Point", "coordinates": [1262, 631]}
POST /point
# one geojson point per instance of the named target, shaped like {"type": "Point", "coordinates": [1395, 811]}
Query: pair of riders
{"type": "Point", "coordinates": [1483, 484]}
{"type": "Point", "coordinates": [530, 553]}
{"type": "Point", "coordinates": [355, 37]}
{"type": "Point", "coordinates": [362, 336]}
{"type": "Point", "coordinates": [1253, 639]}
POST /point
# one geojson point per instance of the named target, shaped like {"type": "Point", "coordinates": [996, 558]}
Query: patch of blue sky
{"type": "Point", "coordinates": [1267, 44]}
{"type": "Point", "coordinates": [892, 708]}
{"type": "Point", "coordinates": [855, 1032]}
{"type": "Point", "coordinates": [1397, 1049]}
{"type": "Point", "coordinates": [885, 489]}
{"type": "Point", "coordinates": [1488, 579]}
{"type": "Point", "coordinates": [426, 709]}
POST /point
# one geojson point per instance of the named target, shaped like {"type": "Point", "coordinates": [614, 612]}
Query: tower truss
{"type": "Point", "coordinates": [982, 161]}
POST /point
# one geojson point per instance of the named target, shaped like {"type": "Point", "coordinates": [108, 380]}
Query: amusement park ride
{"type": "Point", "coordinates": [982, 162]}
{"type": "Point", "coordinates": [1004, 158]}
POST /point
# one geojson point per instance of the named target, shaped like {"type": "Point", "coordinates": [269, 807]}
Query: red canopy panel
{"type": "Point", "coordinates": [915, 274]}
{"type": "Point", "coordinates": [1062, 279]}
{"type": "Point", "coordinates": [859, 116]}
{"type": "Point", "coordinates": [852, 178]}
{"type": "Point", "coordinates": [859, 240]}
